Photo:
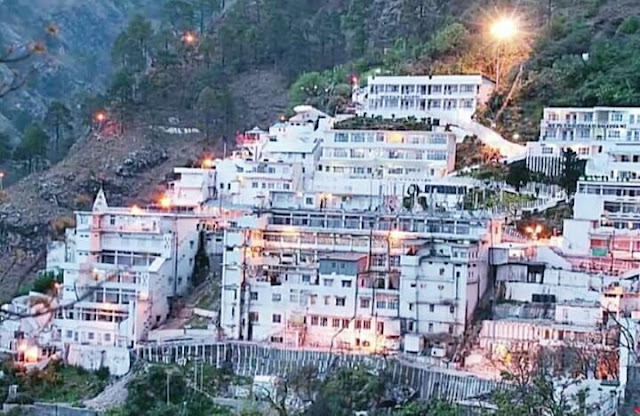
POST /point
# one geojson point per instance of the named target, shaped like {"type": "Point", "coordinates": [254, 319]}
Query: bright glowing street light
{"type": "Point", "coordinates": [505, 28]}
{"type": "Point", "coordinates": [100, 116]}
{"type": "Point", "coordinates": [189, 38]}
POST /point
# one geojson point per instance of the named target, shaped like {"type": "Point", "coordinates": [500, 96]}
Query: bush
{"type": "Point", "coordinates": [630, 25]}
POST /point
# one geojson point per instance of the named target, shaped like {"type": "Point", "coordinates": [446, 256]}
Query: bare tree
{"type": "Point", "coordinates": [20, 62]}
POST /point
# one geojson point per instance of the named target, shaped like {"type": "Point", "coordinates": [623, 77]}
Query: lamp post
{"type": "Point", "coordinates": [502, 30]}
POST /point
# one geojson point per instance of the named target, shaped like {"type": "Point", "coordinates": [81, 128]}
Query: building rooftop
{"type": "Point", "coordinates": [378, 123]}
{"type": "Point", "coordinates": [299, 145]}
{"type": "Point", "coordinates": [345, 256]}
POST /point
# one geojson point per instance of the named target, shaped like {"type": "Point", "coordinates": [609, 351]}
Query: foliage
{"type": "Point", "coordinates": [58, 120]}
{"type": "Point", "coordinates": [435, 408]}
{"type": "Point", "coordinates": [5, 146]}
{"type": "Point", "coordinates": [56, 382]}
{"type": "Point", "coordinates": [162, 390]}
{"type": "Point", "coordinates": [518, 174]}
{"type": "Point", "coordinates": [33, 147]}
{"type": "Point", "coordinates": [573, 169]}
{"type": "Point", "coordinates": [378, 123]}
{"type": "Point", "coordinates": [44, 283]}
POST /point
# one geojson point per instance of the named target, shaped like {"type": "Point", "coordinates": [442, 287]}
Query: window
{"type": "Point", "coordinates": [450, 329]}
{"type": "Point", "coordinates": [340, 301]}
{"type": "Point", "coordinates": [107, 337]}
{"type": "Point", "coordinates": [616, 116]}
{"type": "Point", "coordinates": [324, 321]}
{"type": "Point", "coordinates": [381, 304]}
{"type": "Point", "coordinates": [357, 137]}
{"type": "Point", "coordinates": [276, 339]}
{"type": "Point", "coordinates": [254, 185]}
{"type": "Point", "coordinates": [392, 304]}
{"type": "Point", "coordinates": [341, 137]}
{"type": "Point", "coordinates": [366, 325]}
{"type": "Point", "coordinates": [314, 320]}
{"type": "Point", "coordinates": [547, 150]}
{"type": "Point", "coordinates": [253, 296]}
{"type": "Point", "coordinates": [306, 278]}
{"type": "Point", "coordinates": [431, 308]}
{"type": "Point", "coordinates": [276, 297]}
{"type": "Point", "coordinates": [327, 300]}
{"type": "Point", "coordinates": [345, 323]}
{"type": "Point", "coordinates": [112, 220]}
{"type": "Point", "coordinates": [253, 317]}
{"type": "Point", "coordinates": [380, 328]}
{"type": "Point", "coordinates": [309, 200]}
{"type": "Point", "coordinates": [91, 336]}
{"type": "Point", "coordinates": [69, 334]}
{"type": "Point", "coordinates": [365, 302]}
{"type": "Point", "coordinates": [328, 282]}
{"type": "Point", "coordinates": [346, 283]}
{"type": "Point", "coordinates": [276, 318]}
{"type": "Point", "coordinates": [335, 322]}
{"type": "Point", "coordinates": [430, 327]}
{"type": "Point", "coordinates": [614, 134]}
{"type": "Point", "coordinates": [452, 309]}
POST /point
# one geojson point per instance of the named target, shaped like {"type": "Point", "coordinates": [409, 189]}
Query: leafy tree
{"type": "Point", "coordinates": [163, 391]}
{"type": "Point", "coordinates": [33, 147]}
{"type": "Point", "coordinates": [215, 106]}
{"type": "Point", "coordinates": [435, 408]}
{"type": "Point", "coordinates": [58, 120]}
{"type": "Point", "coordinates": [518, 174]}
{"type": "Point", "coordinates": [348, 391]}
{"type": "Point", "coordinates": [5, 146]}
{"type": "Point", "coordinates": [573, 169]}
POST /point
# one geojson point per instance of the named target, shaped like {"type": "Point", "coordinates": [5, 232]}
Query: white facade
{"type": "Point", "coordinates": [450, 98]}
{"type": "Point", "coordinates": [382, 162]}
{"type": "Point", "coordinates": [124, 267]}
{"type": "Point", "coordinates": [323, 279]}
{"type": "Point", "coordinates": [588, 132]}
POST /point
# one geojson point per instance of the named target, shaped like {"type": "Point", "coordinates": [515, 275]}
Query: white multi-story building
{"type": "Point", "coordinates": [352, 280]}
{"type": "Point", "coordinates": [386, 162]}
{"type": "Point", "coordinates": [121, 270]}
{"type": "Point", "coordinates": [449, 98]}
{"type": "Point", "coordinates": [586, 131]}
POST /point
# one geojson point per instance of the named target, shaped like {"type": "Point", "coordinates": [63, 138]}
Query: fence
{"type": "Point", "coordinates": [250, 360]}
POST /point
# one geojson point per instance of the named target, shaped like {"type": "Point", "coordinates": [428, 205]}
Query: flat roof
{"type": "Point", "coordinates": [291, 146]}
{"type": "Point", "coordinates": [344, 256]}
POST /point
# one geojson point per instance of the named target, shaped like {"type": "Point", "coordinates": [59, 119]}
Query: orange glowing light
{"type": "Point", "coordinates": [32, 354]}
{"type": "Point", "coordinates": [189, 38]}
{"type": "Point", "coordinates": [165, 202]}
{"type": "Point", "coordinates": [207, 163]}
{"type": "Point", "coordinates": [396, 235]}
{"type": "Point", "coordinates": [354, 80]}
{"type": "Point", "coordinates": [22, 346]}
{"type": "Point", "coordinates": [100, 116]}
{"type": "Point", "coordinates": [135, 210]}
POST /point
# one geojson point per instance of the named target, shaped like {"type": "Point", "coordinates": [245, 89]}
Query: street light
{"type": "Point", "coordinates": [189, 38]}
{"type": "Point", "coordinates": [1, 181]}
{"type": "Point", "coordinates": [502, 30]}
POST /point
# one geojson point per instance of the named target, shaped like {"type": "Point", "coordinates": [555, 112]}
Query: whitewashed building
{"type": "Point", "coordinates": [328, 279]}
{"type": "Point", "coordinates": [381, 162]}
{"type": "Point", "coordinates": [122, 269]}
{"type": "Point", "coordinates": [449, 98]}
{"type": "Point", "coordinates": [586, 131]}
